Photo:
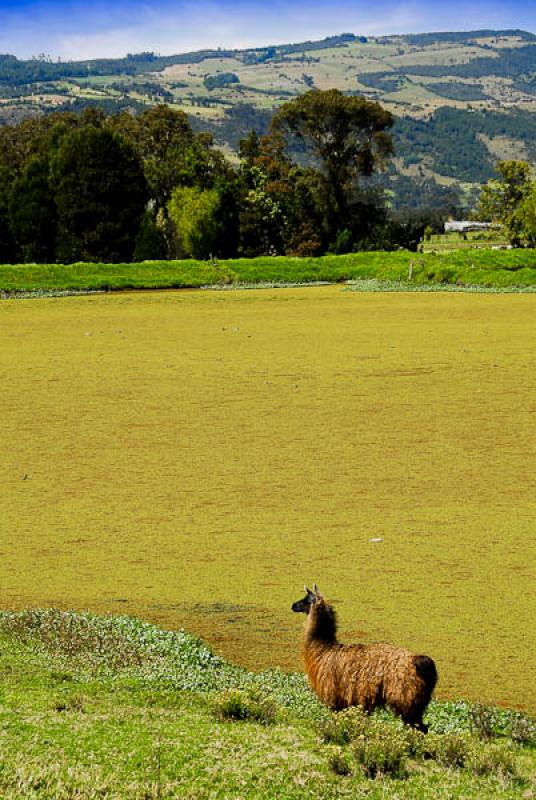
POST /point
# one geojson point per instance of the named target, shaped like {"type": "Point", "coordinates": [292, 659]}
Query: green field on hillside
{"type": "Point", "coordinates": [462, 101]}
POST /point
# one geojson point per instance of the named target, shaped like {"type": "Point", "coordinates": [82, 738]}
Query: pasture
{"type": "Point", "coordinates": [193, 457]}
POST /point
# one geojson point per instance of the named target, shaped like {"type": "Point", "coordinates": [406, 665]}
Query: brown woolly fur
{"type": "Point", "coordinates": [370, 675]}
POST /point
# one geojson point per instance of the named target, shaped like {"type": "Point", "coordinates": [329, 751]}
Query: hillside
{"type": "Point", "coordinates": [462, 100]}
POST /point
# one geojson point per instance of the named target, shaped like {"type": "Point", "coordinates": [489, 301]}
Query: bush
{"type": "Point", "coordinates": [496, 759]}
{"type": "Point", "coordinates": [342, 243]}
{"type": "Point", "coordinates": [380, 745]}
{"type": "Point", "coordinates": [339, 762]}
{"type": "Point", "coordinates": [449, 749]}
{"type": "Point", "coordinates": [239, 705]}
{"type": "Point", "coordinates": [484, 721]}
{"type": "Point", "coordinates": [383, 750]}
{"type": "Point", "coordinates": [343, 727]}
{"type": "Point", "coordinates": [523, 729]}
{"type": "Point", "coordinates": [70, 702]}
{"type": "Point", "coordinates": [450, 715]}
{"type": "Point", "coordinates": [150, 242]}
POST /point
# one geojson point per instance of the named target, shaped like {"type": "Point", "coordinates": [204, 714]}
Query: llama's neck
{"type": "Point", "coordinates": [321, 625]}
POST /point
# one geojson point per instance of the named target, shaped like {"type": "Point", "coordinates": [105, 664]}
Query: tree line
{"type": "Point", "coordinates": [100, 187]}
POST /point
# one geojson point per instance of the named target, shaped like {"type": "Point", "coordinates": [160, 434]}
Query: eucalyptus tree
{"type": "Point", "coordinates": [346, 138]}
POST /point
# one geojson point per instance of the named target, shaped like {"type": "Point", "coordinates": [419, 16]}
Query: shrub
{"type": "Point", "coordinates": [72, 702]}
{"type": "Point", "coordinates": [451, 715]}
{"type": "Point", "coordinates": [496, 759]}
{"type": "Point", "coordinates": [416, 743]}
{"type": "Point", "coordinates": [380, 743]}
{"type": "Point", "coordinates": [150, 241]}
{"type": "Point", "coordinates": [523, 729]}
{"type": "Point", "coordinates": [236, 704]}
{"type": "Point", "coordinates": [342, 727]}
{"type": "Point", "coordinates": [342, 243]}
{"type": "Point", "coordinates": [449, 749]}
{"type": "Point", "coordinates": [339, 762]}
{"type": "Point", "coordinates": [382, 751]}
{"type": "Point", "coordinates": [484, 721]}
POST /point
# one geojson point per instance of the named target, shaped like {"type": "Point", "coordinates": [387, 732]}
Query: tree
{"type": "Point", "coordinates": [261, 217]}
{"type": "Point", "coordinates": [279, 209]}
{"type": "Point", "coordinates": [150, 241]}
{"type": "Point", "coordinates": [7, 242]}
{"type": "Point", "coordinates": [174, 155]}
{"type": "Point", "coordinates": [100, 194]}
{"type": "Point", "coordinates": [163, 139]}
{"type": "Point", "coordinates": [346, 137]}
{"type": "Point", "coordinates": [527, 216]}
{"type": "Point", "coordinates": [194, 215]}
{"type": "Point", "coordinates": [501, 199]}
{"type": "Point", "coordinates": [171, 153]}
{"type": "Point", "coordinates": [32, 212]}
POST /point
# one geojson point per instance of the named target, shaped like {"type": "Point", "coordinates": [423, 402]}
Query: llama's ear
{"type": "Point", "coordinates": [307, 590]}
{"type": "Point", "coordinates": [317, 590]}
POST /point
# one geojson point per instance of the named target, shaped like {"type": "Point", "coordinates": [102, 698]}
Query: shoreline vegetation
{"type": "Point", "coordinates": [94, 706]}
{"type": "Point", "coordinates": [511, 270]}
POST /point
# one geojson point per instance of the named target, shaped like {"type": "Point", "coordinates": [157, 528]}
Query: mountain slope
{"type": "Point", "coordinates": [463, 100]}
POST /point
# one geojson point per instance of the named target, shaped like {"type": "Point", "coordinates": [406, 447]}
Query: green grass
{"type": "Point", "coordinates": [452, 241]}
{"type": "Point", "coordinates": [113, 707]}
{"type": "Point", "coordinates": [487, 268]}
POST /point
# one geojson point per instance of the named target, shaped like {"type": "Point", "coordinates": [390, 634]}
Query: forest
{"type": "Point", "coordinates": [315, 177]}
{"type": "Point", "coordinates": [94, 186]}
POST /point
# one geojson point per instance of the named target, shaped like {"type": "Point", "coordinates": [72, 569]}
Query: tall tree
{"type": "Point", "coordinates": [163, 139]}
{"type": "Point", "coordinates": [501, 199]}
{"type": "Point", "coordinates": [527, 216]}
{"type": "Point", "coordinates": [279, 210]}
{"type": "Point", "coordinates": [32, 212]}
{"type": "Point", "coordinates": [100, 194]}
{"type": "Point", "coordinates": [173, 155]}
{"type": "Point", "coordinates": [345, 137]}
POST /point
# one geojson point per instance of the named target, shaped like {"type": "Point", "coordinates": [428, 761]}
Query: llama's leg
{"type": "Point", "coordinates": [414, 718]}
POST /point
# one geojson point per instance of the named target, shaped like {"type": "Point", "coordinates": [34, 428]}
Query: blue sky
{"type": "Point", "coordinates": [73, 29]}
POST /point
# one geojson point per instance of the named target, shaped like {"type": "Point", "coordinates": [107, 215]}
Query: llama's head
{"type": "Point", "coordinates": [308, 601]}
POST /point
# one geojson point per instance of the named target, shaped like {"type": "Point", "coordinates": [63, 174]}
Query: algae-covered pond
{"type": "Point", "coordinates": [194, 457]}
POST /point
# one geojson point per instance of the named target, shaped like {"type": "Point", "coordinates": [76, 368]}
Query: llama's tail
{"type": "Point", "coordinates": [426, 669]}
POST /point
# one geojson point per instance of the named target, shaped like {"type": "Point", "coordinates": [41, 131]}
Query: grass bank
{"type": "Point", "coordinates": [112, 707]}
{"type": "Point", "coordinates": [488, 268]}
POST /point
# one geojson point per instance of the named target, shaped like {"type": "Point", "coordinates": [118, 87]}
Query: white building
{"type": "Point", "coordinates": [463, 226]}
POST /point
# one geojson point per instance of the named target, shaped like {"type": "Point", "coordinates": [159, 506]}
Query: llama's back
{"type": "Point", "coordinates": [370, 676]}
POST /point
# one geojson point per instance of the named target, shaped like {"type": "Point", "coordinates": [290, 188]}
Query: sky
{"type": "Point", "coordinates": [73, 29]}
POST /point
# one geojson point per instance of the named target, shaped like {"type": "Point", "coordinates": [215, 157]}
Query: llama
{"type": "Point", "coordinates": [370, 675]}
